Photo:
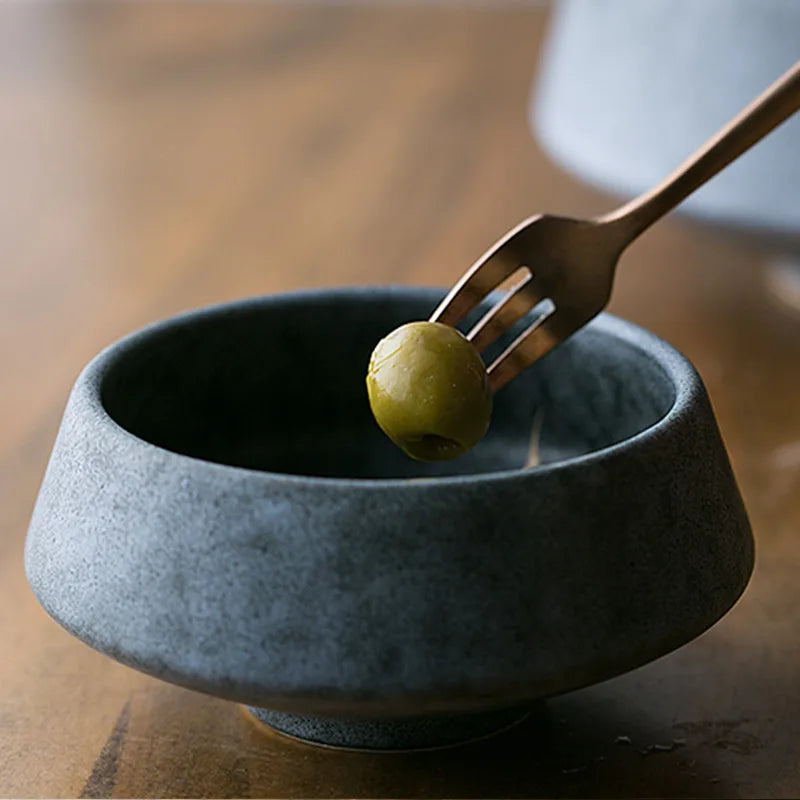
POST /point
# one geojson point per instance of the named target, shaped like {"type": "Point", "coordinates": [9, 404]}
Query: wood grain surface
{"type": "Point", "coordinates": [158, 157]}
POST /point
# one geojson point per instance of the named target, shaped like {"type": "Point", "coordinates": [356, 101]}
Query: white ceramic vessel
{"type": "Point", "coordinates": [626, 90]}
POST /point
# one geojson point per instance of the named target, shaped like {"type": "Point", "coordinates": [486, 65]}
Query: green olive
{"type": "Point", "coordinates": [429, 391]}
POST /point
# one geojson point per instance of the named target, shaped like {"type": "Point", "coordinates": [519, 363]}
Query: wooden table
{"type": "Point", "coordinates": [159, 157]}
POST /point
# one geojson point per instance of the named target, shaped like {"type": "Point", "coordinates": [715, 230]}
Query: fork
{"type": "Point", "coordinates": [563, 269]}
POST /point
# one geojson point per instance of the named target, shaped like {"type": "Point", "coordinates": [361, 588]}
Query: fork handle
{"type": "Point", "coordinates": [753, 123]}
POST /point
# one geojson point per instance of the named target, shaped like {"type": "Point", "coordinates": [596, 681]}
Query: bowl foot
{"type": "Point", "coordinates": [409, 733]}
{"type": "Point", "coordinates": [783, 279]}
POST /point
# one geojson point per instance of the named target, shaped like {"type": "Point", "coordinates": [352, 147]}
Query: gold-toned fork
{"type": "Point", "coordinates": [563, 269]}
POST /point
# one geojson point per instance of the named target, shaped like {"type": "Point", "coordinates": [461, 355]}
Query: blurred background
{"type": "Point", "coordinates": [160, 156]}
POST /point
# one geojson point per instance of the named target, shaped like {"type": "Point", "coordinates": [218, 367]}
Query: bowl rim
{"type": "Point", "coordinates": [677, 369]}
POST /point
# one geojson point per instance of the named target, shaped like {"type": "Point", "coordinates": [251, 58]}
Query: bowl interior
{"type": "Point", "coordinates": [278, 385]}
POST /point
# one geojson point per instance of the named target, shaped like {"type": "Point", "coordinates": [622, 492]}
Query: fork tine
{"type": "Point", "coordinates": [480, 279]}
{"type": "Point", "coordinates": [487, 273]}
{"type": "Point", "coordinates": [533, 343]}
{"type": "Point", "coordinates": [519, 300]}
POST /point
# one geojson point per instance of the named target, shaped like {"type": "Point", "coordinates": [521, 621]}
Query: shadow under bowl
{"type": "Point", "coordinates": [221, 511]}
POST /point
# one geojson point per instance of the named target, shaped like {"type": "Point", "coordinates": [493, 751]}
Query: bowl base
{"type": "Point", "coordinates": [408, 733]}
{"type": "Point", "coordinates": [783, 279]}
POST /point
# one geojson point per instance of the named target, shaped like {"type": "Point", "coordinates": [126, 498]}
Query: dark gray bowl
{"type": "Point", "coordinates": [221, 511]}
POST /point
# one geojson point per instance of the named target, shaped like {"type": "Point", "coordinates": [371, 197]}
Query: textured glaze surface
{"type": "Point", "coordinates": [385, 597]}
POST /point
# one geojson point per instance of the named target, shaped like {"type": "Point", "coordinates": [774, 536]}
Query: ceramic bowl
{"type": "Point", "coordinates": [627, 91]}
{"type": "Point", "coordinates": [221, 511]}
